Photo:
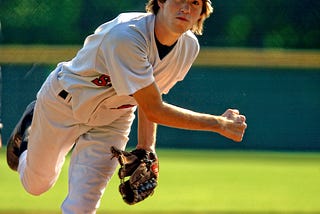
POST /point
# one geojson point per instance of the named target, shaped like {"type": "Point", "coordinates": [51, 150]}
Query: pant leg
{"type": "Point", "coordinates": [91, 166]}
{"type": "Point", "coordinates": [53, 133]}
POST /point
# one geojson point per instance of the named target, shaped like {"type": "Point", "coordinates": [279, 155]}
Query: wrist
{"type": "Point", "coordinates": [218, 124]}
{"type": "Point", "coordinates": [147, 148]}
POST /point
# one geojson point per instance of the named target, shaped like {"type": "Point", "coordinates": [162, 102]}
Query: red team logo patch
{"type": "Point", "coordinates": [103, 80]}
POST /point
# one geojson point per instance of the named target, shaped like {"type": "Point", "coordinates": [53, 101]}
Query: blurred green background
{"type": "Point", "coordinates": [276, 167]}
{"type": "Point", "coordinates": [248, 23]}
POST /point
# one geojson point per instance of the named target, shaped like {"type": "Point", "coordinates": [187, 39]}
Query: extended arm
{"type": "Point", "coordinates": [230, 124]}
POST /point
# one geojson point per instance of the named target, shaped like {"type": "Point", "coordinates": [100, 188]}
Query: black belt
{"type": "Point", "coordinates": [63, 94]}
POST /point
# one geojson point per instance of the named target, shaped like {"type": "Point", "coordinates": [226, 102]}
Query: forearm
{"type": "Point", "coordinates": [230, 124]}
{"type": "Point", "coordinates": [147, 132]}
{"type": "Point", "coordinates": [157, 111]}
{"type": "Point", "coordinates": [173, 116]}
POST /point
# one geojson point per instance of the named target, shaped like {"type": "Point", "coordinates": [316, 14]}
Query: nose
{"type": "Point", "coordinates": [185, 7]}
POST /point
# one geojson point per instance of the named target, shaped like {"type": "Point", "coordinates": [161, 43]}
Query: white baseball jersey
{"type": "Point", "coordinates": [120, 58]}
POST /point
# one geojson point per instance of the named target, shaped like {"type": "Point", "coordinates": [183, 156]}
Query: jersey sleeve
{"type": "Point", "coordinates": [125, 53]}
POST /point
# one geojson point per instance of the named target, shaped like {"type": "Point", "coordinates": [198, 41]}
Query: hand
{"type": "Point", "coordinates": [233, 125]}
{"type": "Point", "coordinates": [138, 174]}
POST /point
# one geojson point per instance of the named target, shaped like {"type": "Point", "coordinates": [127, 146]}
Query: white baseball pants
{"type": "Point", "coordinates": [54, 132]}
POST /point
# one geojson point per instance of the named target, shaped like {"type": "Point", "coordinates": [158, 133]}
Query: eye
{"type": "Point", "coordinates": [196, 3]}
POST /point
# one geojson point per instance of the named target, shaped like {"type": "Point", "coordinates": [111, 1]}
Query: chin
{"type": "Point", "coordinates": [181, 30]}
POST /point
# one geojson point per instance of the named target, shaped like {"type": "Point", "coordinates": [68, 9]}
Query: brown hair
{"type": "Point", "coordinates": [153, 7]}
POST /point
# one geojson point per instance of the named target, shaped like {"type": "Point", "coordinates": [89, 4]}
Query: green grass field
{"type": "Point", "coordinates": [197, 182]}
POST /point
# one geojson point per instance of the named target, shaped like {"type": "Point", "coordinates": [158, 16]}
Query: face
{"type": "Point", "coordinates": [180, 15]}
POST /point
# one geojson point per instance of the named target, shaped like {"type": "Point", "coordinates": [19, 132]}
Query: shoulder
{"type": "Point", "coordinates": [189, 42]}
{"type": "Point", "coordinates": [129, 22]}
{"type": "Point", "coordinates": [132, 28]}
{"type": "Point", "coordinates": [190, 38]}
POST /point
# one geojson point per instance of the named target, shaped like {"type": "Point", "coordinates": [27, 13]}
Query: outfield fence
{"type": "Point", "coordinates": [277, 90]}
{"type": "Point", "coordinates": [208, 56]}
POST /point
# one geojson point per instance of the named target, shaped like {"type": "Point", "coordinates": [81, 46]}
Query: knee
{"type": "Point", "coordinates": [34, 192]}
{"type": "Point", "coordinates": [37, 190]}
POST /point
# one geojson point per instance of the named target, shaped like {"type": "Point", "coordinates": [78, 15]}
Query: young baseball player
{"type": "Point", "coordinates": [89, 102]}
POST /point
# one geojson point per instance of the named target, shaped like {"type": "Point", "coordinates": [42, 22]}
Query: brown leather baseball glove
{"type": "Point", "coordinates": [141, 168]}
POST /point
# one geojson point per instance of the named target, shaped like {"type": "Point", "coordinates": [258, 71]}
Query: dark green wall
{"type": "Point", "coordinates": [281, 106]}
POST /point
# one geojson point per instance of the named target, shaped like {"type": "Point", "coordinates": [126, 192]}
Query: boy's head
{"type": "Point", "coordinates": [153, 7]}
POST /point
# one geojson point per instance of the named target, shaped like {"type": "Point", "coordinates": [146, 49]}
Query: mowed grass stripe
{"type": "Point", "coordinates": [199, 182]}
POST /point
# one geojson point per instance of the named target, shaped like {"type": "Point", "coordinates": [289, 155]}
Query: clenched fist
{"type": "Point", "coordinates": [233, 125]}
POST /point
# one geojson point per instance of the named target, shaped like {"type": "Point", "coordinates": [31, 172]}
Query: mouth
{"type": "Point", "coordinates": [182, 19]}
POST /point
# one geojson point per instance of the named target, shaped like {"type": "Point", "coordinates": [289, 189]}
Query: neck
{"type": "Point", "coordinates": [163, 34]}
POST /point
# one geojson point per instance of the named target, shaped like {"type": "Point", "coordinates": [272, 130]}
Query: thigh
{"type": "Point", "coordinates": [92, 166]}
{"type": "Point", "coordinates": [93, 147]}
{"type": "Point", "coordinates": [53, 133]}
